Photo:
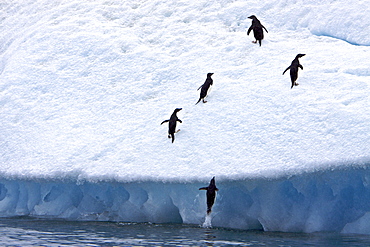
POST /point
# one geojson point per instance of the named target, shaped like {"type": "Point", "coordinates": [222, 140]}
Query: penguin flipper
{"type": "Point", "coordinates": [286, 70]}
{"type": "Point", "coordinates": [165, 121]}
{"type": "Point", "coordinates": [203, 188]}
{"type": "Point", "coordinates": [249, 30]}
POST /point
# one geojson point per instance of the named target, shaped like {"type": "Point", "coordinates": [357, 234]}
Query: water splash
{"type": "Point", "coordinates": [207, 221]}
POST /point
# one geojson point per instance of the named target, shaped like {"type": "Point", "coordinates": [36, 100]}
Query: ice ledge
{"type": "Point", "coordinates": [332, 200]}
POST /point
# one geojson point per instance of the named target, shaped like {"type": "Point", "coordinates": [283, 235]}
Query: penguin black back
{"type": "Point", "coordinates": [257, 28]}
{"type": "Point", "coordinates": [205, 87]}
{"type": "Point", "coordinates": [211, 194]}
{"type": "Point", "coordinates": [172, 124]}
{"type": "Point", "coordinates": [294, 70]}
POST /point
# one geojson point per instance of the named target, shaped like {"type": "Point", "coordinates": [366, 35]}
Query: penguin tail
{"type": "Point", "coordinates": [173, 137]}
{"type": "Point", "coordinates": [209, 211]}
{"type": "Point", "coordinates": [199, 100]}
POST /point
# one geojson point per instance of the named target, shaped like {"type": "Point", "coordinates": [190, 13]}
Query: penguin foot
{"type": "Point", "coordinates": [254, 42]}
{"type": "Point", "coordinates": [169, 136]}
{"type": "Point", "coordinates": [177, 130]}
{"type": "Point", "coordinates": [204, 101]}
{"type": "Point", "coordinates": [296, 84]}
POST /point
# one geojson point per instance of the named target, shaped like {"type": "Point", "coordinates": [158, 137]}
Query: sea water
{"type": "Point", "coordinates": [46, 232]}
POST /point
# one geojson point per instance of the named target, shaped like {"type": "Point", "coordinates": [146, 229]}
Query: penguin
{"type": "Point", "coordinates": [257, 29]}
{"type": "Point", "coordinates": [205, 87]}
{"type": "Point", "coordinates": [172, 124]}
{"type": "Point", "coordinates": [211, 194]}
{"type": "Point", "coordinates": [294, 69]}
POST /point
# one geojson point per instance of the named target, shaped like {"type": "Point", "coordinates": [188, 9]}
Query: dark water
{"type": "Point", "coordinates": [29, 231]}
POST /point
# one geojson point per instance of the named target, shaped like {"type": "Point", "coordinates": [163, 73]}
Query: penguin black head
{"type": "Point", "coordinates": [178, 109]}
{"type": "Point", "coordinates": [300, 55]}
{"type": "Point", "coordinates": [252, 17]}
{"type": "Point", "coordinates": [209, 74]}
{"type": "Point", "coordinates": [212, 181]}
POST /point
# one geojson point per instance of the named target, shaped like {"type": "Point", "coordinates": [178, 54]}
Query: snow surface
{"type": "Point", "coordinates": [84, 87]}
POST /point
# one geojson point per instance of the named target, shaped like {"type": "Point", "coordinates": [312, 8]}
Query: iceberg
{"type": "Point", "coordinates": [328, 200]}
{"type": "Point", "coordinates": [84, 87]}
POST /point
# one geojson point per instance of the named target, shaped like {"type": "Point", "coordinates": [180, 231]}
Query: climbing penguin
{"type": "Point", "coordinates": [257, 28]}
{"type": "Point", "coordinates": [211, 194]}
{"type": "Point", "coordinates": [205, 88]}
{"type": "Point", "coordinates": [172, 124]}
{"type": "Point", "coordinates": [294, 69]}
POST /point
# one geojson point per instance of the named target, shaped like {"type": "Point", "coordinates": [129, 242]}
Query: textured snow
{"type": "Point", "coordinates": [84, 87]}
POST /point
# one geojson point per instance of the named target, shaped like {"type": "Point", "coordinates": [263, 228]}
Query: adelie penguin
{"type": "Point", "coordinates": [294, 70]}
{"type": "Point", "coordinates": [172, 124]}
{"type": "Point", "coordinates": [257, 28]}
{"type": "Point", "coordinates": [211, 194]}
{"type": "Point", "coordinates": [205, 88]}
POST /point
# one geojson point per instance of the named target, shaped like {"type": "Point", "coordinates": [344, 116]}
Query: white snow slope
{"type": "Point", "coordinates": [84, 86]}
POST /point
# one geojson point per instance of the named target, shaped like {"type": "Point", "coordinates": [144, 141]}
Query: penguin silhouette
{"type": "Point", "coordinates": [294, 70]}
{"type": "Point", "coordinates": [172, 124]}
{"type": "Point", "coordinates": [211, 194]}
{"type": "Point", "coordinates": [257, 28]}
{"type": "Point", "coordinates": [205, 88]}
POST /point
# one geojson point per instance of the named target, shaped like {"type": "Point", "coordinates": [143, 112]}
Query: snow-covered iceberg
{"type": "Point", "coordinates": [328, 200]}
{"type": "Point", "coordinates": [84, 87]}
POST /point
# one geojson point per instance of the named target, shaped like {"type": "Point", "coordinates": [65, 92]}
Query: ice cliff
{"type": "Point", "coordinates": [327, 200]}
{"type": "Point", "coordinates": [84, 86]}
